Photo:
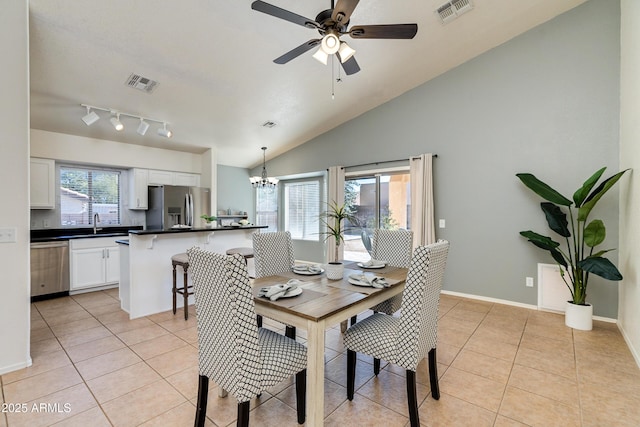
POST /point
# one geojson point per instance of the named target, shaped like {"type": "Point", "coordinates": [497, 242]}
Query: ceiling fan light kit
{"type": "Point", "coordinates": [91, 117]}
{"type": "Point", "coordinates": [331, 24]}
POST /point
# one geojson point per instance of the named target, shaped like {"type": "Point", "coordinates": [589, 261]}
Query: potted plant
{"type": "Point", "coordinates": [209, 220]}
{"type": "Point", "coordinates": [579, 258]}
{"type": "Point", "coordinates": [332, 219]}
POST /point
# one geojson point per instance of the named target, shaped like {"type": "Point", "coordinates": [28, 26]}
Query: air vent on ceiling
{"type": "Point", "coordinates": [452, 9]}
{"type": "Point", "coordinates": [269, 124]}
{"type": "Point", "coordinates": [141, 83]}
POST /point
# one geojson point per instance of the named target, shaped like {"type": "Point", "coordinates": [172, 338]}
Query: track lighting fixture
{"type": "Point", "coordinates": [163, 131]}
{"type": "Point", "coordinates": [91, 117]}
{"type": "Point", "coordinates": [115, 121]}
{"type": "Point", "coordinates": [142, 127]}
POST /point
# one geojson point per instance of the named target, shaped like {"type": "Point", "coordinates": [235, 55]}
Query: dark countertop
{"type": "Point", "coordinates": [195, 230]}
{"type": "Point", "coordinates": [123, 242]}
{"type": "Point", "coordinates": [53, 234]}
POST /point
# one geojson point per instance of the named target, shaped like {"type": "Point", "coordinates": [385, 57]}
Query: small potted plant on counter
{"type": "Point", "coordinates": [210, 221]}
{"type": "Point", "coordinates": [579, 259]}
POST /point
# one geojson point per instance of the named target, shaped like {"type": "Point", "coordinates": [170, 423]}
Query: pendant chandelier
{"type": "Point", "coordinates": [264, 181]}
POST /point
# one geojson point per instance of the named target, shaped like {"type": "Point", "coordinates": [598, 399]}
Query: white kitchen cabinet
{"type": "Point", "coordinates": [42, 183]}
{"type": "Point", "coordinates": [138, 189]}
{"type": "Point", "coordinates": [94, 262]}
{"type": "Point", "coordinates": [187, 179]}
{"type": "Point", "coordinates": [157, 177]}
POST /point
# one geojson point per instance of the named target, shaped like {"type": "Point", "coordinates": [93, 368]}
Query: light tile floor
{"type": "Point", "coordinates": [498, 366]}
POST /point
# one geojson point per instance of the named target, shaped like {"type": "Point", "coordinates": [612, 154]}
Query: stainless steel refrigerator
{"type": "Point", "coordinates": [171, 206]}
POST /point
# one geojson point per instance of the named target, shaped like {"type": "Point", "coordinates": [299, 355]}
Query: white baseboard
{"type": "Point", "coordinates": [15, 367]}
{"type": "Point", "coordinates": [632, 349]}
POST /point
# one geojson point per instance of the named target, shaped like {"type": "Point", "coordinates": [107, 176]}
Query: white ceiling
{"type": "Point", "coordinates": [213, 61]}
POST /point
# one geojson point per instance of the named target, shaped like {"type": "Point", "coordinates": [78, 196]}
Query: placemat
{"type": "Point", "coordinates": [305, 296]}
{"type": "Point", "coordinates": [354, 266]}
{"type": "Point", "coordinates": [344, 283]}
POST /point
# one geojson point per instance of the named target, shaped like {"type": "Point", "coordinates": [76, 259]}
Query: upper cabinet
{"type": "Point", "coordinates": [138, 189]}
{"type": "Point", "coordinates": [157, 177]}
{"type": "Point", "coordinates": [43, 188]}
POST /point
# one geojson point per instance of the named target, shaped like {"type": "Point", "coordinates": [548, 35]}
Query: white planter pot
{"type": "Point", "coordinates": [578, 316]}
{"type": "Point", "coordinates": [334, 270]}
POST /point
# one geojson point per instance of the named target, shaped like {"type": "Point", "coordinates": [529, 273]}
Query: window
{"type": "Point", "coordinates": [85, 192]}
{"type": "Point", "coordinates": [301, 209]}
{"type": "Point", "coordinates": [267, 208]}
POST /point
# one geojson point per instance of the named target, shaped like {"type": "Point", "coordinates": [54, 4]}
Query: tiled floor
{"type": "Point", "coordinates": [498, 366]}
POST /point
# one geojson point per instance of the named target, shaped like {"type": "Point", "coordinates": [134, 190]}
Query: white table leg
{"type": "Point", "coordinates": [315, 374]}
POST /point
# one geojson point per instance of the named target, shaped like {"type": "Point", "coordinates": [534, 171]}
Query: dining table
{"type": "Point", "coordinates": [322, 304]}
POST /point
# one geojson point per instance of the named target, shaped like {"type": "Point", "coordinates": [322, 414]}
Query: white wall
{"type": "Point", "coordinates": [60, 146]}
{"type": "Point", "coordinates": [14, 187]}
{"type": "Point", "coordinates": [629, 296]}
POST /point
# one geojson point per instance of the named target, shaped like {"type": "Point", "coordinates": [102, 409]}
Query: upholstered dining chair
{"type": "Point", "coordinates": [273, 254]}
{"type": "Point", "coordinates": [240, 357]}
{"type": "Point", "coordinates": [409, 338]}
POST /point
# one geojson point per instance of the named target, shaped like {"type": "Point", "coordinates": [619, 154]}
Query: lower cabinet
{"type": "Point", "coordinates": [94, 262]}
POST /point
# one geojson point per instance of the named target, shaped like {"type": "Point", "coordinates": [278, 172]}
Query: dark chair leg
{"type": "Point", "coordinates": [185, 293]}
{"type": "Point", "coordinates": [376, 366]}
{"type": "Point", "coordinates": [175, 289]}
{"type": "Point", "coordinates": [412, 399]}
{"type": "Point", "coordinates": [301, 395]}
{"type": "Point", "coordinates": [259, 321]}
{"type": "Point", "coordinates": [243, 414]}
{"type": "Point", "coordinates": [351, 373]}
{"type": "Point", "coordinates": [201, 408]}
{"type": "Point", "coordinates": [290, 332]}
{"type": "Point", "coordinates": [433, 374]}
{"type": "Point", "coordinates": [354, 320]}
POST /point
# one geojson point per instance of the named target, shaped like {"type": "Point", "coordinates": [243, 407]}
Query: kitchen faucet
{"type": "Point", "coordinates": [96, 221]}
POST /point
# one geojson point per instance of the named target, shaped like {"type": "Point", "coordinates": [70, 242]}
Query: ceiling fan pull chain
{"type": "Point", "coordinates": [333, 92]}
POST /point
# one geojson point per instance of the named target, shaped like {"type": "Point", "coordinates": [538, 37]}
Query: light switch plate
{"type": "Point", "coordinates": [442, 223]}
{"type": "Point", "coordinates": [8, 235]}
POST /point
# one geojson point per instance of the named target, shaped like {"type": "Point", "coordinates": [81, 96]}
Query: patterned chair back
{"type": "Point", "coordinates": [418, 329]}
{"type": "Point", "coordinates": [273, 253]}
{"type": "Point", "coordinates": [229, 352]}
{"type": "Point", "coordinates": [393, 246]}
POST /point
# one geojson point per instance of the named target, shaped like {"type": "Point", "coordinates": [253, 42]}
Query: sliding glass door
{"type": "Point", "coordinates": [379, 200]}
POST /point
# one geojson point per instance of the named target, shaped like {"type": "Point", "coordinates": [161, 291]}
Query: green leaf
{"type": "Point", "coordinates": [539, 240]}
{"type": "Point", "coordinates": [594, 233]}
{"type": "Point", "coordinates": [581, 194]}
{"type": "Point", "coordinates": [543, 190]}
{"type": "Point", "coordinates": [597, 194]}
{"type": "Point", "coordinates": [600, 267]}
{"type": "Point", "coordinates": [556, 219]}
{"type": "Point", "coordinates": [602, 252]}
{"type": "Point", "coordinates": [559, 258]}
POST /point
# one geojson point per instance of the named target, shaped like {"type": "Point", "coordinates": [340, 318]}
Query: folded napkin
{"type": "Point", "coordinates": [373, 281]}
{"type": "Point", "coordinates": [311, 268]}
{"type": "Point", "coordinates": [276, 291]}
{"type": "Point", "coordinates": [374, 263]}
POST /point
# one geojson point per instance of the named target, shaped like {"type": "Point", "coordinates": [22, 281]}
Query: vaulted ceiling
{"type": "Point", "coordinates": [213, 61]}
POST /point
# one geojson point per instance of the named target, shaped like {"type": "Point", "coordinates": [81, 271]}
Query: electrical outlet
{"type": "Point", "coordinates": [45, 223]}
{"type": "Point", "coordinates": [442, 223]}
{"type": "Point", "coordinates": [8, 235]}
{"type": "Point", "coordinates": [529, 282]}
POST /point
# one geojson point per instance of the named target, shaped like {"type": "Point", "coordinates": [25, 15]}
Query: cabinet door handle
{"type": "Point", "coordinates": [108, 252]}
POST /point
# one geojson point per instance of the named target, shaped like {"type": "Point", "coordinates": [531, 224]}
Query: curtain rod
{"type": "Point", "coordinates": [435, 156]}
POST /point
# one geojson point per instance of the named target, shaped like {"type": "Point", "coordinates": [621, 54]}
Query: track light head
{"type": "Point", "coordinates": [91, 117]}
{"type": "Point", "coordinates": [142, 127]}
{"type": "Point", "coordinates": [163, 131]}
{"type": "Point", "coordinates": [115, 121]}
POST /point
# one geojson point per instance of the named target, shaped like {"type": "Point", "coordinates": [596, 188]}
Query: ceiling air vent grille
{"type": "Point", "coordinates": [452, 9]}
{"type": "Point", "coordinates": [269, 124]}
{"type": "Point", "coordinates": [141, 83]}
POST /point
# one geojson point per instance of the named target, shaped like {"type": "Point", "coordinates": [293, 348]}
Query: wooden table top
{"type": "Point", "coordinates": [321, 297]}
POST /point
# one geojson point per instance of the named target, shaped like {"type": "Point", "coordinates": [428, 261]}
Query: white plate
{"type": "Point", "coordinates": [362, 265]}
{"type": "Point", "coordinates": [359, 283]}
{"type": "Point", "coordinates": [307, 272]}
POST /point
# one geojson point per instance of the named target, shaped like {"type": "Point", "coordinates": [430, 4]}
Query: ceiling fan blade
{"type": "Point", "coordinates": [393, 31]}
{"type": "Point", "coordinates": [350, 66]}
{"type": "Point", "coordinates": [294, 53]}
{"type": "Point", "coordinates": [343, 10]}
{"type": "Point", "coordinates": [278, 12]}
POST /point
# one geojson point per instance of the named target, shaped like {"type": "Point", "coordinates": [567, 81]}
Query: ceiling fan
{"type": "Point", "coordinates": [331, 24]}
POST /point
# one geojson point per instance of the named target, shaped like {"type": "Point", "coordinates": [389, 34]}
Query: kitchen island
{"type": "Point", "coordinates": [146, 276]}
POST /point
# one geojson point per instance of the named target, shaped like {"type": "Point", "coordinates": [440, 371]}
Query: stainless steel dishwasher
{"type": "Point", "coordinates": [49, 268]}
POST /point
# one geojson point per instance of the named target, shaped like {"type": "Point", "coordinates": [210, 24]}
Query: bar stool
{"type": "Point", "coordinates": [183, 261]}
{"type": "Point", "coordinates": [245, 252]}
